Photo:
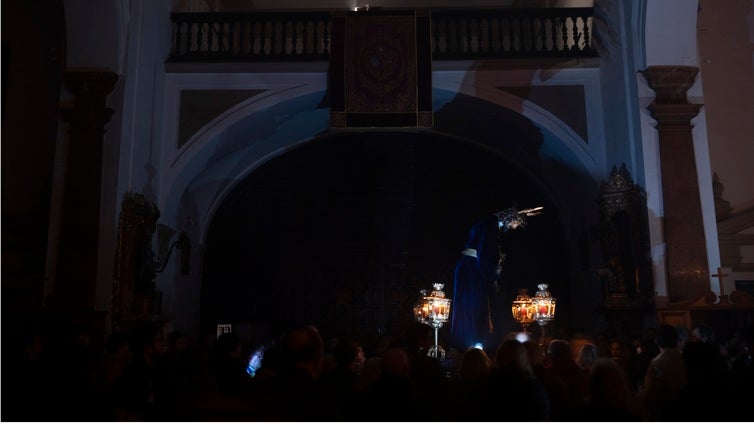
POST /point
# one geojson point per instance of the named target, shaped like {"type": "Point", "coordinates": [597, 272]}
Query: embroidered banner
{"type": "Point", "coordinates": [380, 70]}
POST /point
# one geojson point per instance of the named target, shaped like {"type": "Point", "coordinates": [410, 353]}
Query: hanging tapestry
{"type": "Point", "coordinates": [380, 70]}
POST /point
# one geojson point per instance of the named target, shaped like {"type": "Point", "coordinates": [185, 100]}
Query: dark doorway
{"type": "Point", "coordinates": [343, 231]}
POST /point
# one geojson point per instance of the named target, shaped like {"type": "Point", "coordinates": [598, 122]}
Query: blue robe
{"type": "Point", "coordinates": [474, 276]}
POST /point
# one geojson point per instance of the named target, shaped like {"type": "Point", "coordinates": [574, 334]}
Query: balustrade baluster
{"type": "Point", "coordinates": [245, 35]}
{"type": "Point", "coordinates": [237, 34]}
{"type": "Point", "coordinates": [572, 33]}
{"type": "Point", "coordinates": [212, 43]}
{"type": "Point", "coordinates": [452, 34]}
{"type": "Point", "coordinates": [586, 31]}
{"type": "Point", "coordinates": [300, 48]}
{"type": "Point", "coordinates": [313, 36]}
{"type": "Point", "coordinates": [439, 35]}
{"type": "Point", "coordinates": [281, 38]}
{"type": "Point", "coordinates": [202, 37]}
{"type": "Point", "coordinates": [267, 32]}
{"type": "Point", "coordinates": [217, 37]}
{"type": "Point", "coordinates": [465, 32]}
{"type": "Point", "coordinates": [256, 30]}
{"type": "Point", "coordinates": [176, 49]}
{"type": "Point", "coordinates": [273, 38]}
{"type": "Point", "coordinates": [461, 31]}
{"type": "Point", "coordinates": [473, 31]}
{"type": "Point", "coordinates": [495, 39]}
{"type": "Point", "coordinates": [286, 38]}
{"type": "Point", "coordinates": [553, 34]}
{"type": "Point", "coordinates": [484, 36]}
{"type": "Point", "coordinates": [507, 30]}
{"type": "Point", "coordinates": [324, 38]}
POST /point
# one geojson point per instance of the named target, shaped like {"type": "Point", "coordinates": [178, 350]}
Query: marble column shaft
{"type": "Point", "coordinates": [686, 248]}
{"type": "Point", "coordinates": [76, 276]}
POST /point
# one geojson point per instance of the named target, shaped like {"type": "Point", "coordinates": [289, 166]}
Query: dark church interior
{"type": "Point", "coordinates": [312, 270]}
{"type": "Point", "coordinates": [375, 222]}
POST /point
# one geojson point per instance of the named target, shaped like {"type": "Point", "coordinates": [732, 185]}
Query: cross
{"type": "Point", "coordinates": [720, 274]}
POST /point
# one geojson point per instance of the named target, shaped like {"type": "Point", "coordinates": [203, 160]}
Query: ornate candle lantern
{"type": "Point", "coordinates": [544, 305]}
{"type": "Point", "coordinates": [433, 310]}
{"type": "Point", "coordinates": [544, 308]}
{"type": "Point", "coordinates": [523, 309]}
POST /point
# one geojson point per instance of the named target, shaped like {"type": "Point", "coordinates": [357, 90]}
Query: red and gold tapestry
{"type": "Point", "coordinates": [380, 74]}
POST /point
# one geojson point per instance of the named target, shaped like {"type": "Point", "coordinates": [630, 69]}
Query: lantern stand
{"type": "Point", "coordinates": [433, 310]}
{"type": "Point", "coordinates": [544, 308]}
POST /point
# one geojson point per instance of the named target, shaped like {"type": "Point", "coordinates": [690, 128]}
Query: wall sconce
{"type": "Point", "coordinates": [184, 245]}
{"type": "Point", "coordinates": [433, 310]}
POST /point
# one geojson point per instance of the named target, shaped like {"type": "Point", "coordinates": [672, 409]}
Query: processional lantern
{"type": "Point", "coordinates": [544, 305]}
{"type": "Point", "coordinates": [433, 310]}
{"type": "Point", "coordinates": [540, 308]}
{"type": "Point", "coordinates": [523, 309]}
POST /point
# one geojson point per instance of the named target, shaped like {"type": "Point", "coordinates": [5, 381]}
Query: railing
{"type": "Point", "coordinates": [512, 33]}
{"type": "Point", "coordinates": [249, 37]}
{"type": "Point", "coordinates": [305, 36]}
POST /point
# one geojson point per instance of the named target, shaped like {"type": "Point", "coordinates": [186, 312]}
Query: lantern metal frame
{"type": "Point", "coordinates": [433, 310]}
{"type": "Point", "coordinates": [539, 309]}
{"type": "Point", "coordinates": [522, 309]}
{"type": "Point", "coordinates": [544, 305]}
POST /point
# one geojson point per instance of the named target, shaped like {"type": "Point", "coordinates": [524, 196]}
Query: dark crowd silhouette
{"type": "Point", "coordinates": [666, 374]}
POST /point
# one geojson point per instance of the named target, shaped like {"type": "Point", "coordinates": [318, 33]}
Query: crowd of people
{"type": "Point", "coordinates": [668, 374]}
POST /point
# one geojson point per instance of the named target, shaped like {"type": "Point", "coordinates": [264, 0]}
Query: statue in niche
{"type": "Point", "coordinates": [624, 239]}
{"type": "Point", "coordinates": [145, 264]}
{"type": "Point", "coordinates": [134, 289]}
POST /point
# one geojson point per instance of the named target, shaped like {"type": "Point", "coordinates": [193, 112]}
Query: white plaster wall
{"type": "Point", "coordinates": [671, 32]}
{"type": "Point", "coordinates": [704, 175]}
{"type": "Point", "coordinates": [653, 187]}
{"type": "Point", "coordinates": [140, 140]}
{"type": "Point", "coordinates": [726, 50]}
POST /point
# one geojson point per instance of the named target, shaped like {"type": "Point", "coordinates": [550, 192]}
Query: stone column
{"type": "Point", "coordinates": [686, 249]}
{"type": "Point", "coordinates": [87, 115]}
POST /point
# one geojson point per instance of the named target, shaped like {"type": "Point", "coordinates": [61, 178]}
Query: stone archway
{"type": "Point", "coordinates": [247, 140]}
{"type": "Point", "coordinates": [343, 231]}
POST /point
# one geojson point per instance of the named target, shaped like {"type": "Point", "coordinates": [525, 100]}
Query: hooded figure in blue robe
{"type": "Point", "coordinates": [476, 274]}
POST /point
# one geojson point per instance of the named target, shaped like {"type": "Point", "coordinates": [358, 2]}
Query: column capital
{"type": "Point", "coordinates": [90, 89]}
{"type": "Point", "coordinates": [90, 82]}
{"type": "Point", "coordinates": [674, 116]}
{"type": "Point", "coordinates": [670, 83]}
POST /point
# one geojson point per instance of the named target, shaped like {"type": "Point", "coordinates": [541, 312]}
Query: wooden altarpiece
{"type": "Point", "coordinates": [623, 233]}
{"type": "Point", "coordinates": [135, 299]}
